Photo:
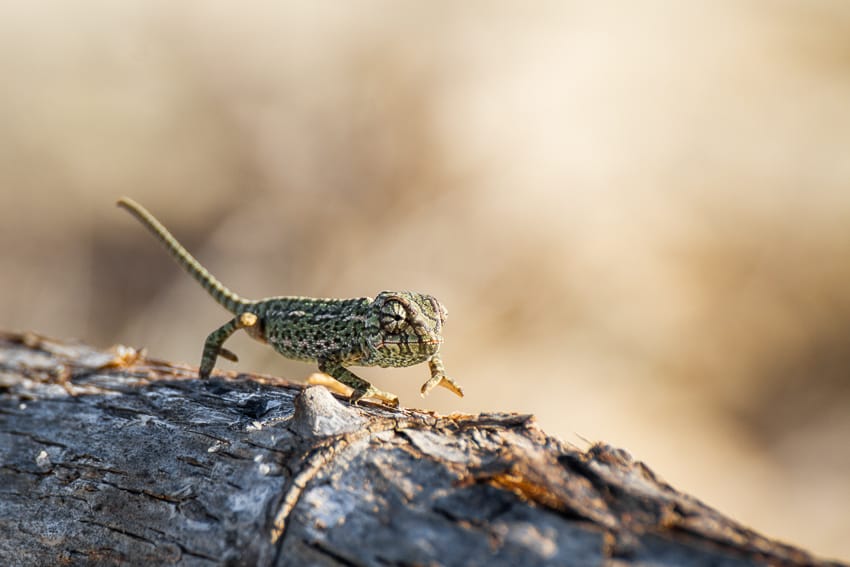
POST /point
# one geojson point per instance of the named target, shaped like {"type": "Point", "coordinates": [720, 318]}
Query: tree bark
{"type": "Point", "coordinates": [112, 458]}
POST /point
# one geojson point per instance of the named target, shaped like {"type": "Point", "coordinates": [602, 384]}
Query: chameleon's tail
{"type": "Point", "coordinates": [215, 288]}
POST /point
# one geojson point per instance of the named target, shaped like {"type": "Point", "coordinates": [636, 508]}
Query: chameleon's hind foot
{"type": "Point", "coordinates": [213, 348]}
{"type": "Point", "coordinates": [206, 368]}
{"type": "Point", "coordinates": [208, 360]}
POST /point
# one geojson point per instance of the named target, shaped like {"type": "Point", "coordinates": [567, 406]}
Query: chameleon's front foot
{"type": "Point", "coordinates": [443, 381]}
{"type": "Point", "coordinates": [362, 388]}
{"type": "Point", "coordinates": [386, 398]}
{"type": "Point", "coordinates": [439, 378]}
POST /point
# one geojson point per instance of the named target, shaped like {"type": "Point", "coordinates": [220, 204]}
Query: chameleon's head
{"type": "Point", "coordinates": [404, 328]}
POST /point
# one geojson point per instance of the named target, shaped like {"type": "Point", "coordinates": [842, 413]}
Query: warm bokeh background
{"type": "Point", "coordinates": [637, 213]}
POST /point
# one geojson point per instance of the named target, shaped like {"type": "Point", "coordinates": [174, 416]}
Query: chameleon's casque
{"type": "Point", "coordinates": [396, 328]}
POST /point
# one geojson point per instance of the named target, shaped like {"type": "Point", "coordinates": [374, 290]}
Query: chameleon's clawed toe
{"type": "Point", "coordinates": [386, 398]}
{"type": "Point", "coordinates": [228, 354]}
{"type": "Point", "coordinates": [429, 385]}
{"type": "Point", "coordinates": [452, 386]}
{"type": "Point", "coordinates": [390, 400]}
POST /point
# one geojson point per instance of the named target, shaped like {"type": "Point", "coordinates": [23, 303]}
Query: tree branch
{"type": "Point", "coordinates": [109, 457]}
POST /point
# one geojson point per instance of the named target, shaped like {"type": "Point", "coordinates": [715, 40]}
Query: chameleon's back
{"type": "Point", "coordinates": [304, 328]}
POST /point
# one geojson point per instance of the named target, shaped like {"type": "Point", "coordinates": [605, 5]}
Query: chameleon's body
{"type": "Point", "coordinates": [394, 329]}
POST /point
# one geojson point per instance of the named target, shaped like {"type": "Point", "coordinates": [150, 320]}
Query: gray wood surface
{"type": "Point", "coordinates": [109, 458]}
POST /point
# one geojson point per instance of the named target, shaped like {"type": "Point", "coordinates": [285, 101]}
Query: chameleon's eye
{"type": "Point", "coordinates": [393, 317]}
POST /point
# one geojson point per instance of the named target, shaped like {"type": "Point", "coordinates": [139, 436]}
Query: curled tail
{"type": "Point", "coordinates": [215, 288]}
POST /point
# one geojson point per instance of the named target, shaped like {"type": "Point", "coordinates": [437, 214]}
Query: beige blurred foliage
{"type": "Point", "coordinates": [638, 214]}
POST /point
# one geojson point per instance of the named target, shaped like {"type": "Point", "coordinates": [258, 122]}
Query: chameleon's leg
{"type": "Point", "coordinates": [438, 377]}
{"type": "Point", "coordinates": [362, 388]}
{"type": "Point", "coordinates": [213, 345]}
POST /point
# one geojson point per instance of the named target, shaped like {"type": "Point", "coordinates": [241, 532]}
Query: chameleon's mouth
{"type": "Point", "coordinates": [422, 342]}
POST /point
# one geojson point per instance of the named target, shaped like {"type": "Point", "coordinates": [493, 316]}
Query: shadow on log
{"type": "Point", "coordinates": [109, 458]}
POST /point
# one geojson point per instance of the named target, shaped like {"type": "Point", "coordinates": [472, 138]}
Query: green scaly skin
{"type": "Point", "coordinates": [396, 328]}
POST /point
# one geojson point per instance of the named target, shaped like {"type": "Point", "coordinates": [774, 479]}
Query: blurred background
{"type": "Point", "coordinates": [637, 214]}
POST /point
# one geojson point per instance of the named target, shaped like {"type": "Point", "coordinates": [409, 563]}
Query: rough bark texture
{"type": "Point", "coordinates": [110, 458]}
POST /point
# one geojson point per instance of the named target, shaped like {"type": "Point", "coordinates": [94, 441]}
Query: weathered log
{"type": "Point", "coordinates": [112, 458]}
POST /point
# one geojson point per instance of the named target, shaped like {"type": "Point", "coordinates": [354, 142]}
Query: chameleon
{"type": "Point", "coordinates": [393, 329]}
